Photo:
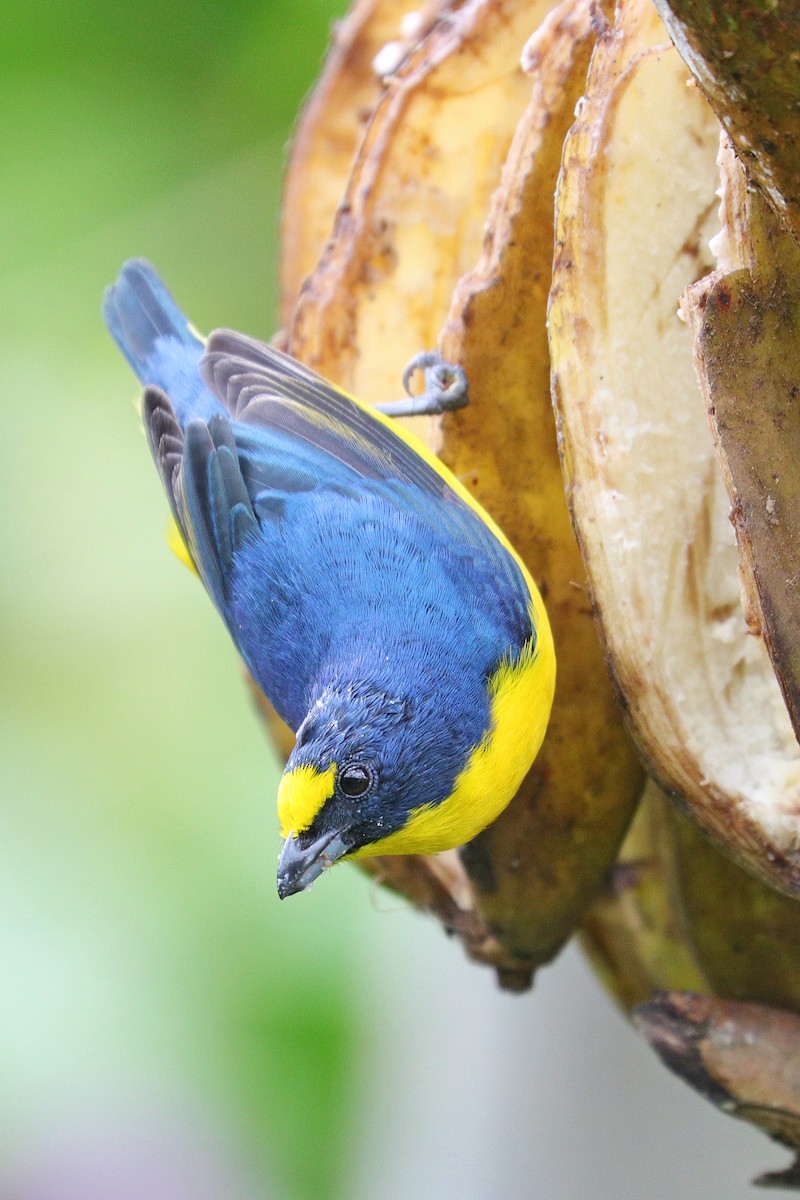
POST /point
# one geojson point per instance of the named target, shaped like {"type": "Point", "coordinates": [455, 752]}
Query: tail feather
{"type": "Point", "coordinates": [154, 335]}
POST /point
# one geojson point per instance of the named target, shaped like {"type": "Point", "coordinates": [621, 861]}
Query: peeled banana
{"type": "Point", "coordinates": [471, 122]}
{"type": "Point", "coordinates": [419, 202]}
{"type": "Point", "coordinates": [635, 209]}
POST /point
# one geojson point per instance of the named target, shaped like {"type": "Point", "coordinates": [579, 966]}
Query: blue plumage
{"type": "Point", "coordinates": [154, 335]}
{"type": "Point", "coordinates": [369, 601]}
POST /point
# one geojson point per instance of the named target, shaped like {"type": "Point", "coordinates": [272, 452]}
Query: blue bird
{"type": "Point", "coordinates": [375, 603]}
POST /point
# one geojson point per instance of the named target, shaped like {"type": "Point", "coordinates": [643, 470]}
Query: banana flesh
{"type": "Point", "coordinates": [635, 208]}
{"type": "Point", "coordinates": [368, 45]}
{"type": "Point", "coordinates": [745, 323]}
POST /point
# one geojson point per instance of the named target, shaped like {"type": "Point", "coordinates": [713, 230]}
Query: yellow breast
{"type": "Point", "coordinates": [521, 695]}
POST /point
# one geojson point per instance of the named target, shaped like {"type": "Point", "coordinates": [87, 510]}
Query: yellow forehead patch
{"type": "Point", "coordinates": [301, 795]}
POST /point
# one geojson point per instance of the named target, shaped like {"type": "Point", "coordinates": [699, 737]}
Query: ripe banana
{"type": "Point", "coordinates": [368, 45]}
{"type": "Point", "coordinates": [405, 259]}
{"type": "Point", "coordinates": [742, 1057]}
{"type": "Point", "coordinates": [635, 207]}
{"type": "Point", "coordinates": [633, 934]}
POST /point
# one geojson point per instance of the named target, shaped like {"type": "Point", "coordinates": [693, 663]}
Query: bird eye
{"type": "Point", "coordinates": [355, 779]}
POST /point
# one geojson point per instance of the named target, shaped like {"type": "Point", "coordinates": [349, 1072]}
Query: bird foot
{"type": "Point", "coordinates": [445, 388]}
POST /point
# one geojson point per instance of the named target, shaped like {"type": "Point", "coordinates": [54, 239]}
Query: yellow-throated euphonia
{"type": "Point", "coordinates": [375, 603]}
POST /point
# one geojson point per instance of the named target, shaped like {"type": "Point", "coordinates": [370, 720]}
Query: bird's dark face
{"type": "Point", "coordinates": [357, 773]}
{"type": "Point", "coordinates": [345, 799]}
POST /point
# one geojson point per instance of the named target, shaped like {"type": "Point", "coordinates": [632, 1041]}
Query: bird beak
{"type": "Point", "coordinates": [298, 868]}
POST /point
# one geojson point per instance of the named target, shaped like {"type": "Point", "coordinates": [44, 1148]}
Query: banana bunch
{"type": "Point", "coordinates": [444, 235]}
{"type": "Point", "coordinates": [424, 179]}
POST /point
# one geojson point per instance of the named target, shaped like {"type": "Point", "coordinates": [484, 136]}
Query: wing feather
{"type": "Point", "coordinates": [200, 470]}
{"type": "Point", "coordinates": [287, 432]}
{"type": "Point", "coordinates": [334, 440]}
{"type": "Point", "coordinates": [165, 438]}
{"type": "Point", "coordinates": [260, 385]}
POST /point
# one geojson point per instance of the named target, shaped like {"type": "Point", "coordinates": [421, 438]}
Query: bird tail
{"type": "Point", "coordinates": [156, 339]}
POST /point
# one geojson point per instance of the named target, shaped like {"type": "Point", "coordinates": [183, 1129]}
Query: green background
{"type": "Point", "coordinates": [148, 967]}
{"type": "Point", "coordinates": [168, 1030]}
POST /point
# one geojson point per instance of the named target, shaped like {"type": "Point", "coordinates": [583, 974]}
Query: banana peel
{"type": "Point", "coordinates": [634, 934]}
{"type": "Point", "coordinates": [367, 45]}
{"type": "Point", "coordinates": [744, 1058]}
{"type": "Point", "coordinates": [745, 58]}
{"type": "Point", "coordinates": [743, 934]}
{"type": "Point", "coordinates": [411, 221]}
{"type": "Point", "coordinates": [538, 866]}
{"type": "Point", "coordinates": [635, 208]}
{"type": "Point", "coordinates": [706, 959]}
{"type": "Point", "coordinates": [678, 914]}
{"type": "Point", "coordinates": [396, 270]}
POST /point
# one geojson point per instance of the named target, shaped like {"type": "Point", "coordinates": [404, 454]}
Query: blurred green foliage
{"type": "Point", "coordinates": [148, 974]}
{"type": "Point", "coordinates": [144, 957]}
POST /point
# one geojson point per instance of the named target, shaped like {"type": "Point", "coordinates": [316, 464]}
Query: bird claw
{"type": "Point", "coordinates": [445, 388]}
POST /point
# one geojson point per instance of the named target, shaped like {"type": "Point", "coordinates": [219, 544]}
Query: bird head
{"type": "Point", "coordinates": [360, 769]}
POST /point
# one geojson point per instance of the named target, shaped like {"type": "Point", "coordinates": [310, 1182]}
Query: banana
{"type": "Point", "coordinates": [412, 217]}
{"type": "Point", "coordinates": [706, 959]}
{"type": "Point", "coordinates": [633, 934]}
{"type": "Point", "coordinates": [744, 57]}
{"type": "Point", "coordinates": [742, 1057]}
{"type": "Point", "coordinates": [744, 935]}
{"type": "Point", "coordinates": [635, 206]}
{"type": "Point", "coordinates": [540, 864]}
{"type": "Point", "coordinates": [458, 121]}
{"type": "Point", "coordinates": [678, 914]}
{"type": "Point", "coordinates": [368, 44]}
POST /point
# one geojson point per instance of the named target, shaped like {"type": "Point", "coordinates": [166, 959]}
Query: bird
{"type": "Point", "coordinates": [375, 603]}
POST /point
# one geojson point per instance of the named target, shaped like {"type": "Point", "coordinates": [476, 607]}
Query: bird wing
{"type": "Point", "coordinates": [287, 432]}
{"type": "Point", "coordinates": [259, 385]}
{"type": "Point", "coordinates": [199, 467]}
{"type": "Point", "coordinates": [264, 389]}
